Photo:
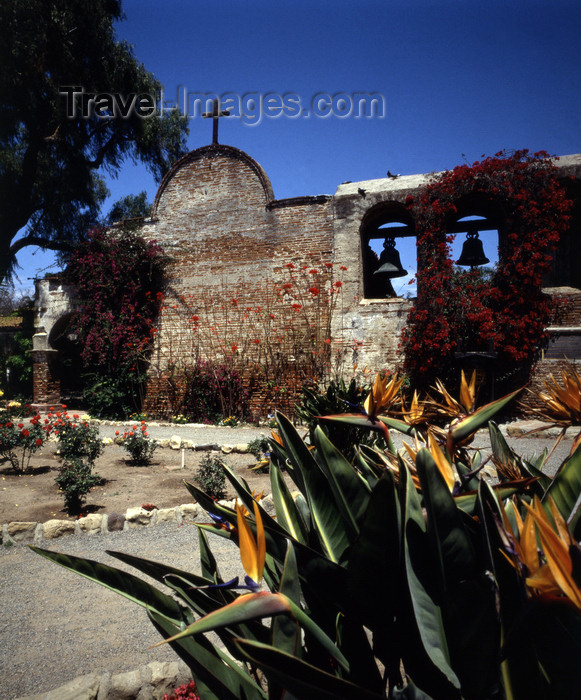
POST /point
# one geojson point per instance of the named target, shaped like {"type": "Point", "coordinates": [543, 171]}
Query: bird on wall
{"type": "Point", "coordinates": [361, 191]}
{"type": "Point", "coordinates": [391, 175]}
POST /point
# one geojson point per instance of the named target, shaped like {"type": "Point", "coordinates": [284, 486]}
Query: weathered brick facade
{"type": "Point", "coordinates": [216, 216]}
{"type": "Point", "coordinates": [228, 237]}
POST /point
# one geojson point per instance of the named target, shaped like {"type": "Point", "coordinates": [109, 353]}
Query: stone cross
{"type": "Point", "coordinates": [215, 114]}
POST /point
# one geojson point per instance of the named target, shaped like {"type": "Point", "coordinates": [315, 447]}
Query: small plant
{"type": "Point", "coordinates": [22, 437]}
{"type": "Point", "coordinates": [184, 692]}
{"type": "Point", "coordinates": [230, 422]}
{"type": "Point", "coordinates": [75, 481]}
{"type": "Point", "coordinates": [149, 506]}
{"type": "Point", "coordinates": [138, 417]}
{"type": "Point", "coordinates": [214, 390]}
{"type": "Point", "coordinates": [260, 448]}
{"type": "Point", "coordinates": [79, 447]}
{"type": "Point", "coordinates": [338, 397]}
{"type": "Point", "coordinates": [139, 446]}
{"type": "Point", "coordinates": [179, 419]}
{"type": "Point", "coordinates": [77, 440]}
{"type": "Point", "coordinates": [211, 477]}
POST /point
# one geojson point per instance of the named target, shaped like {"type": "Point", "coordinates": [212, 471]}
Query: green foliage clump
{"type": "Point", "coordinates": [75, 480]}
{"type": "Point", "coordinates": [259, 446]}
{"type": "Point", "coordinates": [51, 161]}
{"type": "Point", "coordinates": [79, 448]}
{"type": "Point", "coordinates": [210, 476]}
{"type": "Point", "coordinates": [78, 440]}
{"type": "Point", "coordinates": [338, 397]}
{"type": "Point", "coordinates": [212, 391]}
{"type": "Point", "coordinates": [118, 278]}
{"type": "Point", "coordinates": [139, 445]}
{"type": "Point", "coordinates": [20, 438]}
{"type": "Point", "coordinates": [393, 575]}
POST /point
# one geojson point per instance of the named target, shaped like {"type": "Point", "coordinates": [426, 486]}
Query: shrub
{"type": "Point", "coordinates": [212, 391]}
{"type": "Point", "coordinates": [139, 446]}
{"type": "Point", "coordinates": [179, 419]}
{"type": "Point", "coordinates": [338, 397]}
{"type": "Point", "coordinates": [111, 397]}
{"type": "Point", "coordinates": [210, 476]}
{"type": "Point", "coordinates": [20, 436]}
{"type": "Point", "coordinates": [79, 447]}
{"type": "Point", "coordinates": [77, 441]}
{"type": "Point", "coordinates": [118, 279]}
{"type": "Point", "coordinates": [260, 448]}
{"type": "Point", "coordinates": [75, 481]}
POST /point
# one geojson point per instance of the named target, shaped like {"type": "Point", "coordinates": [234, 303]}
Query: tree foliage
{"type": "Point", "coordinates": [50, 165]}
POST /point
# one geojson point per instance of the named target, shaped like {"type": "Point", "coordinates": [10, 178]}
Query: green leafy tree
{"type": "Point", "coordinates": [132, 206]}
{"type": "Point", "coordinates": [51, 187]}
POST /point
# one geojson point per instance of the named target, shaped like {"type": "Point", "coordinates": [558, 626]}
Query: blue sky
{"type": "Point", "coordinates": [460, 79]}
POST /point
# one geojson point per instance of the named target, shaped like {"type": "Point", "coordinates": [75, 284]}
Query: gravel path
{"type": "Point", "coordinates": [56, 625]}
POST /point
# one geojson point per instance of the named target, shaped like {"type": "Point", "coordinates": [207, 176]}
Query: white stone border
{"type": "Point", "coordinates": [149, 682]}
{"type": "Point", "coordinates": [22, 532]}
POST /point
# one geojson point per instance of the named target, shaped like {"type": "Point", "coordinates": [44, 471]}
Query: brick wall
{"type": "Point", "coordinates": [229, 239]}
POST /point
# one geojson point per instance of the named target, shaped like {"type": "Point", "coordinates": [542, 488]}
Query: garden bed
{"type": "Point", "coordinates": [35, 497]}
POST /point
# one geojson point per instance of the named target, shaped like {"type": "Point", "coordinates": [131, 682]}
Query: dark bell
{"type": "Point", "coordinates": [472, 251]}
{"type": "Point", "coordinates": [389, 261]}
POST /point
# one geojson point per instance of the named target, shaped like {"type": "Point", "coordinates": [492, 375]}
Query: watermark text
{"type": "Point", "coordinates": [250, 107]}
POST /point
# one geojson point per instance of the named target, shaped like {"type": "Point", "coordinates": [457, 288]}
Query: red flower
{"type": "Point", "coordinates": [338, 284]}
{"type": "Point", "coordinates": [38, 442]}
{"type": "Point", "coordinates": [234, 347]}
{"type": "Point", "coordinates": [25, 433]}
{"type": "Point", "coordinates": [314, 291]}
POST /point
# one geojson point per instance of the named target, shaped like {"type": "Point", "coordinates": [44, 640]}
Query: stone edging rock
{"type": "Point", "coordinates": [17, 532]}
{"type": "Point", "coordinates": [149, 682]}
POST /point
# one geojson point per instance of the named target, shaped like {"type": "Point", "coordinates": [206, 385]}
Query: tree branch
{"type": "Point", "coordinates": [63, 246]}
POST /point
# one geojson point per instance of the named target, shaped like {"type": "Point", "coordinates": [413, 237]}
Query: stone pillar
{"type": "Point", "coordinates": [46, 386]}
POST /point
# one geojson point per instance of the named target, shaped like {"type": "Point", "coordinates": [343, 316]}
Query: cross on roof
{"type": "Point", "coordinates": [215, 114]}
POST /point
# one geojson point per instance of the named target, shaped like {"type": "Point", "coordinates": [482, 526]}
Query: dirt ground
{"type": "Point", "coordinates": [35, 496]}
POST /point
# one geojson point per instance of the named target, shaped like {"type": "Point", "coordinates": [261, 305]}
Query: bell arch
{"type": "Point", "coordinates": [478, 227]}
{"type": "Point", "coordinates": [384, 229]}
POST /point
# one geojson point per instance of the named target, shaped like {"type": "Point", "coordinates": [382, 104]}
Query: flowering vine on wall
{"type": "Point", "coordinates": [505, 311]}
{"type": "Point", "coordinates": [118, 278]}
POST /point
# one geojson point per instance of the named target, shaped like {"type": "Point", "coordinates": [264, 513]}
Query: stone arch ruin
{"type": "Point", "coordinates": [216, 215]}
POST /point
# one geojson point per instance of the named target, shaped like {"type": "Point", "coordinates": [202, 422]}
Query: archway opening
{"type": "Point", "coordinates": [68, 366]}
{"type": "Point", "coordinates": [388, 253]}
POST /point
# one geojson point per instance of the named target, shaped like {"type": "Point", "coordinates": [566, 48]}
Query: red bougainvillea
{"type": "Point", "coordinates": [117, 277]}
{"type": "Point", "coordinates": [505, 311]}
